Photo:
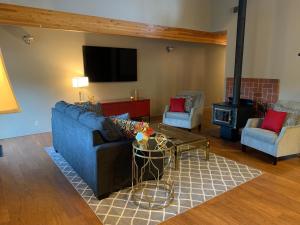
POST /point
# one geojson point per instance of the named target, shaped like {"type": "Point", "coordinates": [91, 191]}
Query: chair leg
{"type": "Point", "coordinates": [199, 127]}
{"type": "Point", "coordinates": [274, 162]}
{"type": "Point", "coordinates": [1, 151]}
{"type": "Point", "coordinates": [244, 148]}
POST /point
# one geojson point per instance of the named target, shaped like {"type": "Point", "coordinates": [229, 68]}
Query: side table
{"type": "Point", "coordinates": [150, 190]}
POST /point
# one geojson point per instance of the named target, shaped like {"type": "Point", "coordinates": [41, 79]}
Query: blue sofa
{"type": "Point", "coordinates": [95, 150]}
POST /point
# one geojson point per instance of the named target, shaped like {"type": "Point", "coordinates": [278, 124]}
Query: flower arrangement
{"type": "Point", "coordinates": [143, 132]}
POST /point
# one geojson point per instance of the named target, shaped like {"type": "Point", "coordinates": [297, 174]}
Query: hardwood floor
{"type": "Point", "coordinates": [272, 198]}
{"type": "Point", "coordinates": [33, 191]}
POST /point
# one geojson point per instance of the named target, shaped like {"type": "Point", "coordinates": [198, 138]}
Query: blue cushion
{"type": "Point", "coordinates": [74, 111]}
{"type": "Point", "coordinates": [61, 106]}
{"type": "Point", "coordinates": [110, 132]}
{"type": "Point", "coordinates": [91, 120]}
{"type": "Point", "coordinates": [124, 116]}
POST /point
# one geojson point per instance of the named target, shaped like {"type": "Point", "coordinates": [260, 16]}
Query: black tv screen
{"type": "Point", "coordinates": [105, 64]}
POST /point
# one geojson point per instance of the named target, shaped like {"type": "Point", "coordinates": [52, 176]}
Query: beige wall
{"type": "Point", "coordinates": [41, 73]}
{"type": "Point", "coordinates": [271, 41]}
{"type": "Point", "coordinates": [194, 14]}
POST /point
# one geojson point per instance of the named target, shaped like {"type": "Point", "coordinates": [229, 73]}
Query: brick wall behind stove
{"type": "Point", "coordinates": [260, 90]}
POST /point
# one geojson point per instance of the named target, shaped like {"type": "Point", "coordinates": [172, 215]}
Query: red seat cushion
{"type": "Point", "coordinates": [274, 120]}
{"type": "Point", "coordinates": [177, 104]}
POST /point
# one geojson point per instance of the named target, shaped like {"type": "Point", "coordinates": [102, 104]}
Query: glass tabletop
{"type": "Point", "coordinates": [178, 136]}
{"type": "Point", "coordinates": [152, 145]}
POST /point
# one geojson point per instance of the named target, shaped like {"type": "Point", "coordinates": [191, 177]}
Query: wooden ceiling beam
{"type": "Point", "coordinates": [36, 17]}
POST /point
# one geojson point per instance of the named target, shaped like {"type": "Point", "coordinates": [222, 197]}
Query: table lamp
{"type": "Point", "coordinates": [8, 102]}
{"type": "Point", "coordinates": [80, 82]}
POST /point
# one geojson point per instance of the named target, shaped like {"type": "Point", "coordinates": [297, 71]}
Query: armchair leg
{"type": "Point", "coordinates": [199, 127]}
{"type": "Point", "coordinates": [190, 130]}
{"type": "Point", "coordinates": [244, 148]}
{"type": "Point", "coordinates": [274, 162]}
{"type": "Point", "coordinates": [1, 151]}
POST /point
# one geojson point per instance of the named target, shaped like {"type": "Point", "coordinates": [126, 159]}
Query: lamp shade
{"type": "Point", "coordinates": [78, 82]}
{"type": "Point", "coordinates": [8, 102]}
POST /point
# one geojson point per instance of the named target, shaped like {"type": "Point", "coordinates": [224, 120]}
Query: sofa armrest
{"type": "Point", "coordinates": [288, 142]}
{"type": "Point", "coordinates": [167, 108]}
{"type": "Point", "coordinates": [113, 145]}
{"type": "Point", "coordinates": [195, 111]}
{"type": "Point", "coordinates": [195, 116]}
{"type": "Point", "coordinates": [113, 166]}
{"type": "Point", "coordinates": [254, 122]}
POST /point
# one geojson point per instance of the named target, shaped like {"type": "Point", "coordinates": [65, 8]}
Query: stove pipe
{"type": "Point", "coordinates": [242, 8]}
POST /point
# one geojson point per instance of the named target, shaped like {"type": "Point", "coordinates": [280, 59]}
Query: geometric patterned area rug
{"type": "Point", "coordinates": [195, 182]}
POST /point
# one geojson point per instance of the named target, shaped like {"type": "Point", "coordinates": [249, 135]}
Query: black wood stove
{"type": "Point", "coordinates": [233, 115]}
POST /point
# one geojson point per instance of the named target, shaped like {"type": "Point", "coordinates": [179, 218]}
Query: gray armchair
{"type": "Point", "coordinates": [287, 142]}
{"type": "Point", "coordinates": [188, 120]}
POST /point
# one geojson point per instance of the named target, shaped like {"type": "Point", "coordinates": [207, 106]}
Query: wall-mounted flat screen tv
{"type": "Point", "coordinates": [105, 64]}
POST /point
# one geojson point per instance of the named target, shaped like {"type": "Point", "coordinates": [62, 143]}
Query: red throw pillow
{"type": "Point", "coordinates": [274, 120]}
{"type": "Point", "coordinates": [177, 104]}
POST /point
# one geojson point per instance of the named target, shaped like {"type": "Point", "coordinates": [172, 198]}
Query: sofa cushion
{"type": "Point", "coordinates": [124, 116]}
{"type": "Point", "coordinates": [177, 104]}
{"type": "Point", "coordinates": [74, 111]}
{"type": "Point", "coordinates": [61, 106]}
{"type": "Point", "coordinates": [293, 114]}
{"type": "Point", "coordinates": [129, 127]}
{"type": "Point", "coordinates": [292, 119]}
{"type": "Point", "coordinates": [91, 120]}
{"type": "Point", "coordinates": [189, 102]}
{"type": "Point", "coordinates": [178, 115]}
{"type": "Point", "coordinates": [110, 132]}
{"type": "Point", "coordinates": [261, 134]}
{"type": "Point", "coordinates": [88, 106]}
{"type": "Point", "coordinates": [274, 120]}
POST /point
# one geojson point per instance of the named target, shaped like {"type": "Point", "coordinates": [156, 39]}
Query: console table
{"type": "Point", "coordinates": [136, 108]}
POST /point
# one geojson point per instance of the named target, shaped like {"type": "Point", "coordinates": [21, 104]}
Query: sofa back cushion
{"type": "Point", "coordinates": [94, 122]}
{"type": "Point", "coordinates": [61, 106]}
{"type": "Point", "coordinates": [293, 112]}
{"type": "Point", "coordinates": [91, 120]}
{"type": "Point", "coordinates": [189, 102]}
{"type": "Point", "coordinates": [103, 128]}
{"type": "Point", "coordinates": [74, 111]}
{"type": "Point", "coordinates": [91, 107]}
{"type": "Point", "coordinates": [274, 120]}
{"type": "Point", "coordinates": [198, 96]}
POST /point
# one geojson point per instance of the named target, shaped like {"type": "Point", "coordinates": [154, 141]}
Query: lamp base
{"type": "Point", "coordinates": [1, 151]}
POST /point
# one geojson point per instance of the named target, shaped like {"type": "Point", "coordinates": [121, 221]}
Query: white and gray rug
{"type": "Point", "coordinates": [196, 182]}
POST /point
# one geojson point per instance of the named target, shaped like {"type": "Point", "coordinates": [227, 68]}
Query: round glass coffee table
{"type": "Point", "coordinates": [150, 189]}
